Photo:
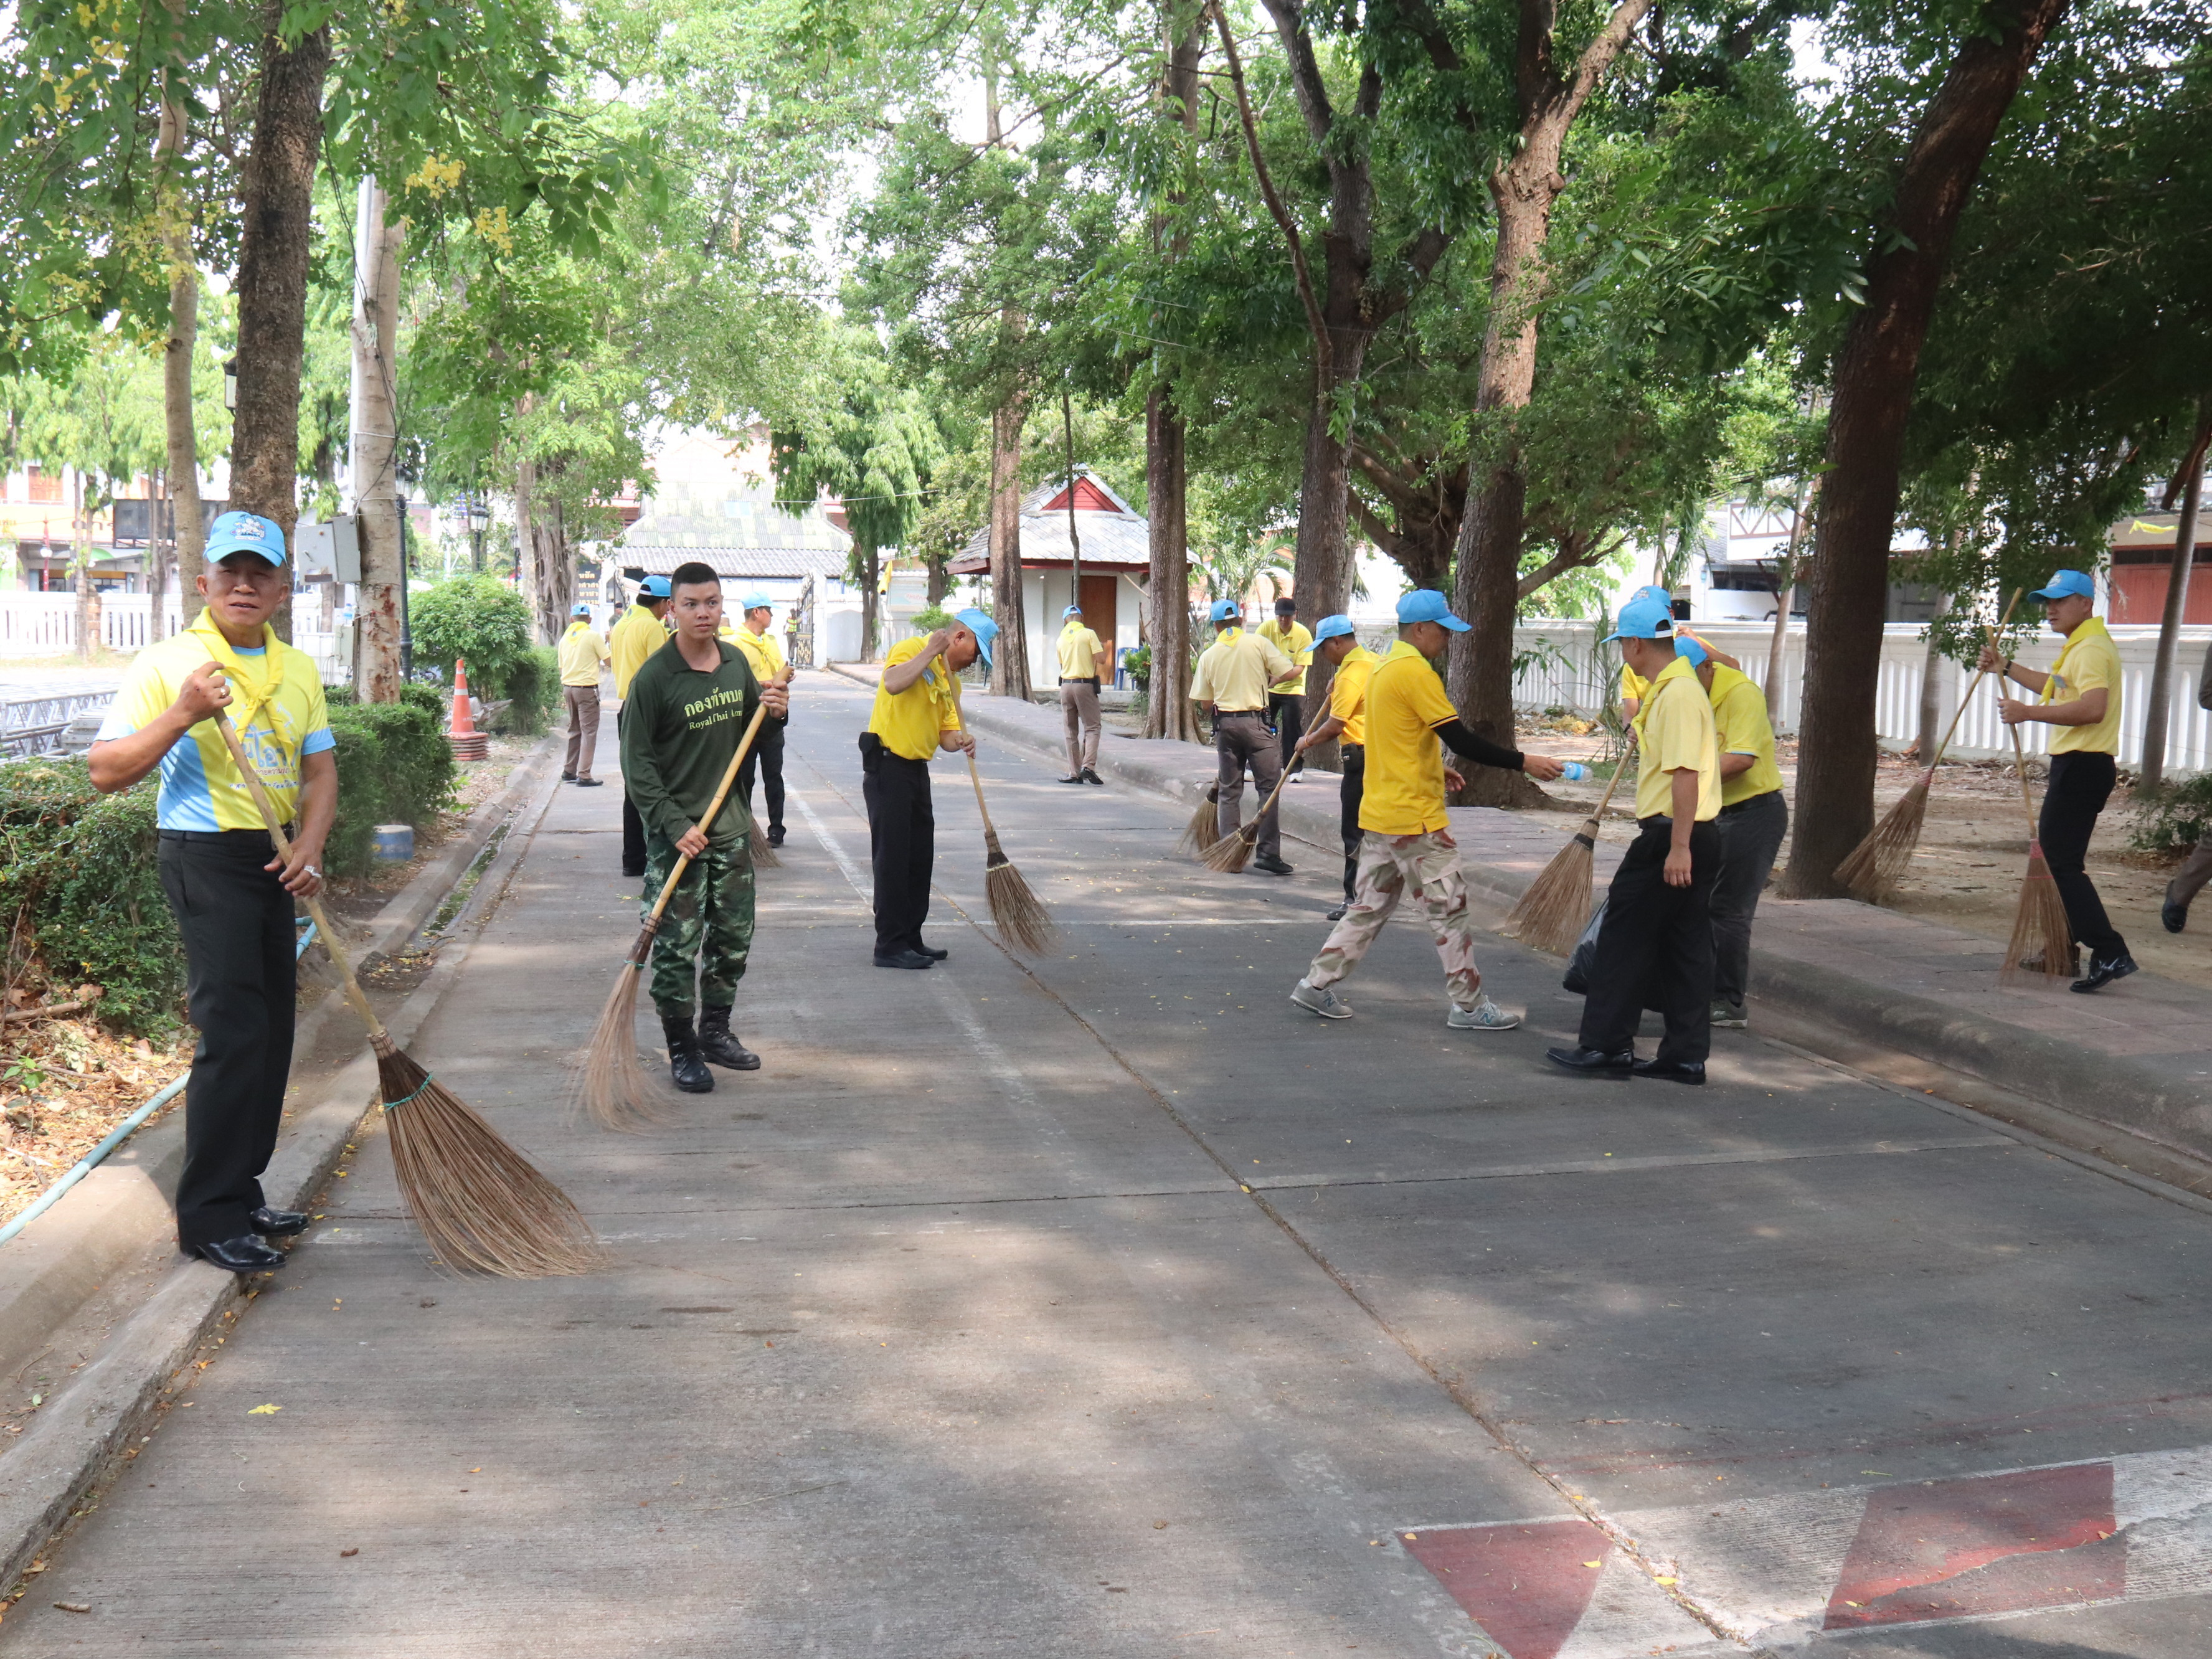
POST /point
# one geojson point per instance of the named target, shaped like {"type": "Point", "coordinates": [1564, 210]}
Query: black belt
{"type": "Point", "coordinates": [1092, 681]}
{"type": "Point", "coordinates": [1748, 800]}
{"type": "Point", "coordinates": [1241, 715]}
{"type": "Point", "coordinates": [214, 834]}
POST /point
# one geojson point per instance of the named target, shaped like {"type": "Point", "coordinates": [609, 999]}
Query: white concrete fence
{"type": "Point", "coordinates": [45, 625]}
{"type": "Point", "coordinates": [1563, 673]}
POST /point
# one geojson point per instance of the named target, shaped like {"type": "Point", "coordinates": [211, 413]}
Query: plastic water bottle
{"type": "Point", "coordinates": [1576, 772]}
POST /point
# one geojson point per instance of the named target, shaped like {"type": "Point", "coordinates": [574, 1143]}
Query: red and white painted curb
{"type": "Point", "coordinates": [1777, 1571]}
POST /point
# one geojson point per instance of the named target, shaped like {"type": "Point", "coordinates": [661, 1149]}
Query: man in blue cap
{"type": "Point", "coordinates": [2081, 696]}
{"type": "Point", "coordinates": [1336, 644]}
{"type": "Point", "coordinates": [643, 631]}
{"type": "Point", "coordinates": [766, 658]}
{"type": "Point", "coordinates": [231, 891]}
{"type": "Point", "coordinates": [916, 713]}
{"type": "Point", "coordinates": [1230, 682]}
{"type": "Point", "coordinates": [1407, 839]}
{"type": "Point", "coordinates": [1083, 658]}
{"type": "Point", "coordinates": [1656, 947]}
{"type": "Point", "coordinates": [1754, 818]}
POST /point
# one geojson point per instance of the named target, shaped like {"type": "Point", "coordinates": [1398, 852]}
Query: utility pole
{"type": "Point", "coordinates": [373, 423]}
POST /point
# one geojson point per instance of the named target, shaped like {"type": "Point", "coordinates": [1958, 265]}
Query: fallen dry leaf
{"type": "Point", "coordinates": [265, 1410]}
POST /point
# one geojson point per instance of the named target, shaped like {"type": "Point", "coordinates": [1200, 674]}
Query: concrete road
{"type": "Point", "coordinates": [1227, 1331]}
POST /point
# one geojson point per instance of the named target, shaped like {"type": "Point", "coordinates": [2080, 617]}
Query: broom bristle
{"type": "Point", "coordinates": [1022, 921]}
{"type": "Point", "coordinates": [2041, 950]}
{"type": "Point", "coordinates": [1204, 830]}
{"type": "Point", "coordinates": [1233, 851]}
{"type": "Point", "coordinates": [1877, 864]}
{"type": "Point", "coordinates": [481, 1205]}
{"type": "Point", "coordinates": [615, 1091]}
{"type": "Point", "coordinates": [1553, 912]}
{"type": "Point", "coordinates": [763, 855]}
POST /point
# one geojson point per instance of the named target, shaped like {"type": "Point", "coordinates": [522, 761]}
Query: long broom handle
{"type": "Point", "coordinates": [259, 792]}
{"type": "Point", "coordinates": [683, 859]}
{"type": "Point", "coordinates": [1966, 701]}
{"type": "Point", "coordinates": [1269, 805]}
{"type": "Point", "coordinates": [976, 778]}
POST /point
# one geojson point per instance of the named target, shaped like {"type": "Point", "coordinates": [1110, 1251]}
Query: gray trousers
{"type": "Point", "coordinates": [1239, 741]}
{"type": "Point", "coordinates": [1079, 713]}
{"type": "Point", "coordinates": [2195, 870]}
{"type": "Point", "coordinates": [1751, 835]}
{"type": "Point", "coordinates": [583, 729]}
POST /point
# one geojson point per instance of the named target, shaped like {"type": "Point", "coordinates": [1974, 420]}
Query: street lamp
{"type": "Point", "coordinates": [230, 383]}
{"type": "Point", "coordinates": [479, 521]}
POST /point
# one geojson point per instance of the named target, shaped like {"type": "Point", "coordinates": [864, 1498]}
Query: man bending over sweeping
{"type": "Point", "coordinates": [231, 892]}
{"type": "Point", "coordinates": [687, 710]}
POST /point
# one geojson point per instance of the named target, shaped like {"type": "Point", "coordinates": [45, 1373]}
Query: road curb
{"type": "Point", "coordinates": [75, 1440]}
{"type": "Point", "coordinates": [2091, 1093]}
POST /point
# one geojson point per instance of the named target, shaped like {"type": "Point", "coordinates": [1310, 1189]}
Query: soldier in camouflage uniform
{"type": "Point", "coordinates": [688, 708]}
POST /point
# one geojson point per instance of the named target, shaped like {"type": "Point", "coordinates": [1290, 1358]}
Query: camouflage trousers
{"type": "Point", "coordinates": [707, 929]}
{"type": "Point", "coordinates": [1387, 863]}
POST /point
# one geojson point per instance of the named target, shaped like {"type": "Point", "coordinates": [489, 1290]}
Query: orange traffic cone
{"type": "Point", "coordinates": [468, 742]}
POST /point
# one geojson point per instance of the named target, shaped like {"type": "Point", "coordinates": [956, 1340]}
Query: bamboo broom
{"type": "Point", "coordinates": [1553, 912]}
{"type": "Point", "coordinates": [2041, 949]}
{"type": "Point", "coordinates": [1022, 921]}
{"type": "Point", "coordinates": [1234, 851]}
{"type": "Point", "coordinates": [1878, 863]}
{"type": "Point", "coordinates": [1204, 826]}
{"type": "Point", "coordinates": [615, 1091]}
{"type": "Point", "coordinates": [480, 1203]}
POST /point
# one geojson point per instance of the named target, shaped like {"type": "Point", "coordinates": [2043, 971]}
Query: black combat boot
{"type": "Point", "coordinates": [720, 1044]}
{"type": "Point", "coordinates": [686, 1068]}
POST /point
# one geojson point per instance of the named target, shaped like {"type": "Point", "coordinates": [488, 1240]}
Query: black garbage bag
{"type": "Point", "coordinates": [1585, 956]}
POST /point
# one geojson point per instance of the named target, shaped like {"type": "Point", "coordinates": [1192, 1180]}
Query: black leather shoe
{"type": "Point", "coordinates": [1672, 1071]}
{"type": "Point", "coordinates": [278, 1224]}
{"type": "Point", "coordinates": [2175, 916]}
{"type": "Point", "coordinates": [568, 777]}
{"type": "Point", "coordinates": [245, 1254]}
{"type": "Point", "coordinates": [1337, 914]}
{"type": "Point", "coordinates": [1273, 866]}
{"type": "Point", "coordinates": [719, 1045]}
{"type": "Point", "coordinates": [932, 952]}
{"type": "Point", "coordinates": [588, 783]}
{"type": "Point", "coordinates": [1090, 776]}
{"type": "Point", "coordinates": [904, 959]}
{"type": "Point", "coordinates": [776, 834]}
{"type": "Point", "coordinates": [1595, 1062]}
{"type": "Point", "coordinates": [637, 874]}
{"type": "Point", "coordinates": [1073, 777]}
{"type": "Point", "coordinates": [687, 1069]}
{"type": "Point", "coordinates": [2103, 973]}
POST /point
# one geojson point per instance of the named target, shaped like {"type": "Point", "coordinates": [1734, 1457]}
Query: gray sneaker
{"type": "Point", "coordinates": [1322, 1000]}
{"type": "Point", "coordinates": [1728, 1016]}
{"type": "Point", "coordinates": [1484, 1015]}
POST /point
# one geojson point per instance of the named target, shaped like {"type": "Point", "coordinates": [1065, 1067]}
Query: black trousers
{"type": "Point", "coordinates": [1656, 948]}
{"type": "Point", "coordinates": [1751, 835]}
{"type": "Point", "coordinates": [1349, 793]}
{"type": "Point", "coordinates": [633, 825]}
{"type": "Point", "coordinates": [240, 982]}
{"type": "Point", "coordinates": [1286, 713]}
{"type": "Point", "coordinates": [901, 842]}
{"type": "Point", "coordinates": [766, 758]}
{"type": "Point", "coordinates": [2081, 783]}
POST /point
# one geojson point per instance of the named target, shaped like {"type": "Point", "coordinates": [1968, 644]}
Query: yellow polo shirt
{"type": "Point", "coordinates": [2089, 661]}
{"type": "Point", "coordinates": [908, 722]}
{"type": "Point", "coordinates": [581, 652]}
{"type": "Point", "coordinates": [1295, 642]}
{"type": "Point", "coordinates": [1347, 692]}
{"type": "Point", "coordinates": [1406, 702]}
{"type": "Point", "coordinates": [276, 705]}
{"type": "Point", "coordinates": [1739, 716]}
{"type": "Point", "coordinates": [1235, 671]}
{"type": "Point", "coordinates": [1675, 729]}
{"type": "Point", "coordinates": [1080, 652]}
{"type": "Point", "coordinates": [1633, 684]}
{"type": "Point", "coordinates": [761, 652]}
{"type": "Point", "coordinates": [636, 636]}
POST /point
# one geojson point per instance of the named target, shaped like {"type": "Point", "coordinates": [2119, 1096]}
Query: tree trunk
{"type": "Point", "coordinates": [87, 620]}
{"type": "Point", "coordinates": [1168, 712]}
{"type": "Point", "coordinates": [1010, 666]}
{"type": "Point", "coordinates": [2152, 773]}
{"type": "Point", "coordinates": [377, 671]}
{"type": "Point", "coordinates": [157, 561]}
{"type": "Point", "coordinates": [1321, 571]}
{"type": "Point", "coordinates": [277, 235]}
{"type": "Point", "coordinates": [1785, 596]}
{"type": "Point", "coordinates": [1873, 385]}
{"type": "Point", "coordinates": [187, 532]}
{"type": "Point", "coordinates": [940, 584]}
{"type": "Point", "coordinates": [872, 604]}
{"type": "Point", "coordinates": [1932, 700]}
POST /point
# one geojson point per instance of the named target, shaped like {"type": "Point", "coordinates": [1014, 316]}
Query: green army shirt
{"type": "Point", "coordinates": [679, 728]}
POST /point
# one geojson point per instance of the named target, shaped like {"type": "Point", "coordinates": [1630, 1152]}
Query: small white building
{"type": "Point", "coordinates": [1116, 556]}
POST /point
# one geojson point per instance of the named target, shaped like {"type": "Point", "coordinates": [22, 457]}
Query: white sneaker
{"type": "Point", "coordinates": [1484, 1015]}
{"type": "Point", "coordinates": [1322, 1000]}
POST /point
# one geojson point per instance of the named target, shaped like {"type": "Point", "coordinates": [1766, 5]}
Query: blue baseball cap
{"type": "Point", "coordinates": [756, 601]}
{"type": "Point", "coordinates": [1652, 591]}
{"type": "Point", "coordinates": [2067, 584]}
{"type": "Point", "coordinates": [580, 609]}
{"type": "Point", "coordinates": [1072, 610]}
{"type": "Point", "coordinates": [1644, 619]}
{"type": "Point", "coordinates": [655, 587]}
{"type": "Point", "coordinates": [1227, 610]}
{"type": "Point", "coordinates": [1686, 646]}
{"type": "Point", "coordinates": [1329, 627]}
{"type": "Point", "coordinates": [978, 623]}
{"type": "Point", "coordinates": [1426, 604]}
{"type": "Point", "coordinates": [244, 532]}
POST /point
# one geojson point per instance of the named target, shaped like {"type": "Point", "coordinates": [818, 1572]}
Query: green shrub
{"type": "Point", "coordinates": [480, 618]}
{"type": "Point", "coordinates": [2176, 818]}
{"type": "Point", "coordinates": [930, 618]}
{"type": "Point", "coordinates": [78, 868]}
{"type": "Point", "coordinates": [533, 686]}
{"type": "Point", "coordinates": [394, 767]}
{"type": "Point", "coordinates": [437, 704]}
